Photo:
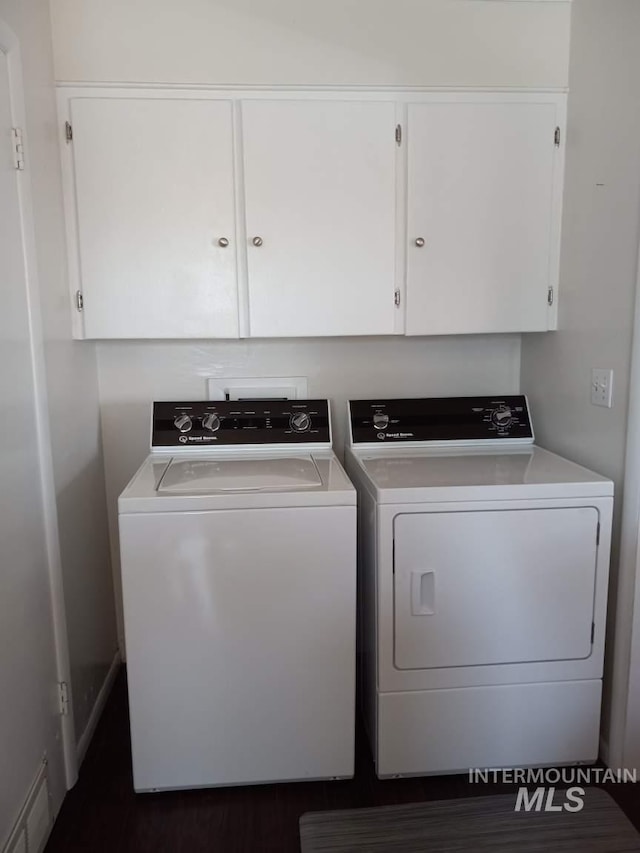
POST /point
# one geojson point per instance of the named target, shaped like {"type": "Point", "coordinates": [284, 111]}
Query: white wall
{"type": "Point", "coordinates": [599, 252]}
{"type": "Point", "coordinates": [267, 42]}
{"type": "Point", "coordinates": [72, 385]}
{"type": "Point", "coordinates": [402, 42]}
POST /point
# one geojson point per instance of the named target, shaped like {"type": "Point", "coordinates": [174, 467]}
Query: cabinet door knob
{"type": "Point", "coordinates": [223, 242]}
{"type": "Point", "coordinates": [257, 241]}
{"type": "Point", "coordinates": [419, 242]}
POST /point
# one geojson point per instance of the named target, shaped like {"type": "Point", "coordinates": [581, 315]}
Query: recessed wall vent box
{"type": "Point", "coordinates": [252, 388]}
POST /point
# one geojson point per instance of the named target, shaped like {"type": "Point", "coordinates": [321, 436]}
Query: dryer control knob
{"type": "Point", "coordinates": [300, 422]}
{"type": "Point", "coordinates": [380, 420]}
{"type": "Point", "coordinates": [183, 423]}
{"type": "Point", "coordinates": [211, 422]}
{"type": "Point", "coordinates": [502, 416]}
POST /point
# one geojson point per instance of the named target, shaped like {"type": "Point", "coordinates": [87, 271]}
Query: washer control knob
{"type": "Point", "coordinates": [300, 422]}
{"type": "Point", "coordinates": [211, 421]}
{"type": "Point", "coordinates": [183, 423]}
{"type": "Point", "coordinates": [380, 420]}
{"type": "Point", "coordinates": [502, 416]}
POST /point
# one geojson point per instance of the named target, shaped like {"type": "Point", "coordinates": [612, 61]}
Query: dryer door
{"type": "Point", "coordinates": [494, 587]}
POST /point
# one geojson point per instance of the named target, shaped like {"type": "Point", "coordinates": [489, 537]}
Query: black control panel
{"type": "Point", "coordinates": [440, 419]}
{"type": "Point", "coordinates": [214, 423]}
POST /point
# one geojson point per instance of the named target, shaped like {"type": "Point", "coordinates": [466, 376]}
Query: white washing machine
{"type": "Point", "coordinates": [238, 544]}
{"type": "Point", "coordinates": [483, 563]}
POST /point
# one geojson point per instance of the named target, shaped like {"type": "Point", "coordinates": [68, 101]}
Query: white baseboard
{"type": "Point", "coordinates": [98, 708]}
{"type": "Point", "coordinates": [35, 821]}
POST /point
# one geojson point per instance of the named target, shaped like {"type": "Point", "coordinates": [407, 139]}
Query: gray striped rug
{"type": "Point", "coordinates": [475, 824]}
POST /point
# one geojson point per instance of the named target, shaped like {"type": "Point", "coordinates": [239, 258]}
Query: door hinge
{"type": "Point", "coordinates": [556, 137]}
{"type": "Point", "coordinates": [79, 300]}
{"type": "Point", "coordinates": [63, 698]}
{"type": "Point", "coordinates": [593, 631]}
{"type": "Point", "coordinates": [68, 131]}
{"type": "Point", "coordinates": [398, 134]}
{"type": "Point", "coordinates": [396, 298]}
{"type": "Point", "coordinates": [598, 534]}
{"type": "Point", "coordinates": [550, 296]}
{"type": "Point", "coordinates": [18, 148]}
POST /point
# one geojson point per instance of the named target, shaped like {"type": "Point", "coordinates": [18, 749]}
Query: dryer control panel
{"type": "Point", "coordinates": [440, 420]}
{"type": "Point", "coordinates": [216, 423]}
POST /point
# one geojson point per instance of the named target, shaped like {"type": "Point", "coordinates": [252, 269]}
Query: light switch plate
{"type": "Point", "coordinates": [602, 387]}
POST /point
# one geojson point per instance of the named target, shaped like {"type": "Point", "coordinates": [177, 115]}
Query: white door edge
{"type": "Point", "coordinates": [623, 742]}
{"type": "Point", "coordinates": [10, 46]}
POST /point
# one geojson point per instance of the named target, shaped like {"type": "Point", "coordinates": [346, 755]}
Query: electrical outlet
{"type": "Point", "coordinates": [602, 387]}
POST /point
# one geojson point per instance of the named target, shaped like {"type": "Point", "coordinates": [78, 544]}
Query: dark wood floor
{"type": "Point", "coordinates": [103, 815]}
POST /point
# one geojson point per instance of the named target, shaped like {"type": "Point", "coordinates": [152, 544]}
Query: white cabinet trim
{"type": "Point", "coordinates": [241, 224]}
{"type": "Point", "coordinates": [330, 91]}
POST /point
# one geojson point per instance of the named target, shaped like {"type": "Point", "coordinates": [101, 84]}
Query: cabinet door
{"type": "Point", "coordinates": [155, 195]}
{"type": "Point", "coordinates": [320, 196]}
{"type": "Point", "coordinates": [484, 197]}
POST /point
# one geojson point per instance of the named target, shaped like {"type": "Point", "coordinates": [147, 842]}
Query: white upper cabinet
{"type": "Point", "coordinates": [484, 198]}
{"type": "Point", "coordinates": [223, 214]}
{"type": "Point", "coordinates": [320, 183]}
{"type": "Point", "coordinates": [154, 249]}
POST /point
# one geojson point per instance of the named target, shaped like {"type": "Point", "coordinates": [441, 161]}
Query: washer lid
{"type": "Point", "coordinates": [206, 476]}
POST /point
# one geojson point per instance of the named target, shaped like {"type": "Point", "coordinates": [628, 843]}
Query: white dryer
{"type": "Point", "coordinates": [238, 544]}
{"type": "Point", "coordinates": [483, 566]}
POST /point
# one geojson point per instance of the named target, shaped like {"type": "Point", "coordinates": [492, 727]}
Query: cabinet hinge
{"type": "Point", "coordinates": [598, 534]}
{"type": "Point", "coordinates": [556, 137]}
{"type": "Point", "coordinates": [68, 131]}
{"type": "Point", "coordinates": [18, 148]}
{"type": "Point", "coordinates": [398, 134]}
{"type": "Point", "coordinates": [550, 296]}
{"type": "Point", "coordinates": [593, 631]}
{"type": "Point", "coordinates": [396, 298]}
{"type": "Point", "coordinates": [63, 698]}
{"type": "Point", "coordinates": [79, 300]}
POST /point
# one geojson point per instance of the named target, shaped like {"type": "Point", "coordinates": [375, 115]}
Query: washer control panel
{"type": "Point", "coordinates": [440, 419]}
{"type": "Point", "coordinates": [227, 423]}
